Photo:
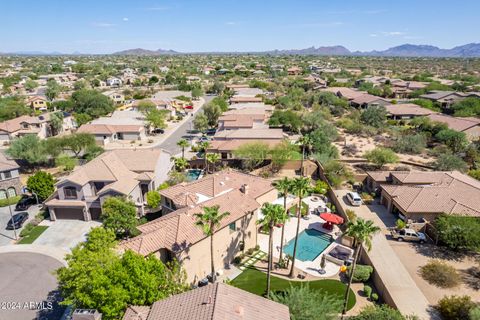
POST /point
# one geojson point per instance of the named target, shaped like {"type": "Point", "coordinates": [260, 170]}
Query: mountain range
{"type": "Point", "coordinates": [471, 50]}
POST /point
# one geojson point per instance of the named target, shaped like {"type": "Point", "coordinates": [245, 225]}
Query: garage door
{"type": "Point", "coordinates": [69, 213]}
{"type": "Point", "coordinates": [95, 213]}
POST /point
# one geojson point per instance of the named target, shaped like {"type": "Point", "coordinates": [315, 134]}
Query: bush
{"type": "Point", "coordinates": [237, 260]}
{"type": "Point", "coordinates": [455, 307]}
{"type": "Point", "coordinates": [352, 216]}
{"type": "Point", "coordinates": [400, 224]}
{"type": "Point", "coordinates": [321, 187]}
{"type": "Point", "coordinates": [367, 198]}
{"type": "Point", "coordinates": [153, 199]}
{"type": "Point", "coordinates": [9, 201]}
{"type": "Point", "coordinates": [41, 183]}
{"type": "Point", "coordinates": [382, 312]}
{"type": "Point", "coordinates": [374, 297]}
{"type": "Point", "coordinates": [457, 232]}
{"type": "Point", "coordinates": [362, 273]}
{"type": "Point", "coordinates": [440, 274]}
{"type": "Point", "coordinates": [367, 290]}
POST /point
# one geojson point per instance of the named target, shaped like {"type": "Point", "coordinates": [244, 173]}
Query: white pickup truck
{"type": "Point", "coordinates": [408, 235]}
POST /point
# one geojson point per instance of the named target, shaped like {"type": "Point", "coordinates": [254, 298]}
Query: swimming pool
{"type": "Point", "coordinates": [310, 244]}
{"type": "Point", "coordinates": [193, 174]}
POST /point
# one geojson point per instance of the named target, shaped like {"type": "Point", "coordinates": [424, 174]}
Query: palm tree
{"type": "Point", "coordinates": [183, 144]}
{"type": "Point", "coordinates": [306, 143]}
{"type": "Point", "coordinates": [204, 145]}
{"type": "Point", "coordinates": [209, 220]}
{"type": "Point", "coordinates": [180, 164]}
{"type": "Point", "coordinates": [362, 232]}
{"type": "Point", "coordinates": [284, 186]}
{"type": "Point", "coordinates": [273, 214]}
{"type": "Point", "coordinates": [213, 159]}
{"type": "Point", "coordinates": [300, 187]}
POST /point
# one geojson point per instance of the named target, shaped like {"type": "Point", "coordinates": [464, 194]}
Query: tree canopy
{"type": "Point", "coordinates": [119, 215]}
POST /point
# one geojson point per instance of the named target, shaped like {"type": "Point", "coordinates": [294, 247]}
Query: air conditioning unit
{"type": "Point", "coordinates": [86, 314]}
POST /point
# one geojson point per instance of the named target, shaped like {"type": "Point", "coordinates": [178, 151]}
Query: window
{"type": "Point", "coordinates": [70, 193]}
{"type": "Point", "coordinates": [3, 194]}
{"type": "Point", "coordinates": [7, 174]}
{"type": "Point", "coordinates": [232, 226]}
{"type": "Point", "coordinates": [11, 192]}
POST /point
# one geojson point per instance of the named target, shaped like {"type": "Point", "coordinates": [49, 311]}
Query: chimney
{"type": "Point", "coordinates": [244, 188]}
{"type": "Point", "coordinates": [86, 314]}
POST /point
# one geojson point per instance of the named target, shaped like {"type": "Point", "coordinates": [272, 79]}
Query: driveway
{"type": "Point", "coordinates": [65, 234]}
{"type": "Point", "coordinates": [7, 236]}
{"type": "Point", "coordinates": [389, 269]}
{"type": "Point", "coordinates": [28, 287]}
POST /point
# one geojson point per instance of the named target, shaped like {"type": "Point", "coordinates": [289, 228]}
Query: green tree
{"type": "Point", "coordinates": [307, 304]}
{"type": "Point", "coordinates": [288, 119]}
{"type": "Point", "coordinates": [196, 93]}
{"type": "Point", "coordinates": [30, 85]}
{"type": "Point", "coordinates": [336, 172]}
{"type": "Point", "coordinates": [209, 221]}
{"type": "Point", "coordinates": [252, 154]}
{"type": "Point", "coordinates": [28, 148]}
{"type": "Point", "coordinates": [456, 141]}
{"type": "Point", "coordinates": [183, 143]}
{"type": "Point", "coordinates": [42, 184]}
{"type": "Point", "coordinates": [374, 116]}
{"type": "Point", "coordinates": [221, 102]}
{"type": "Point", "coordinates": [212, 111]}
{"type": "Point", "coordinates": [301, 188]}
{"type": "Point", "coordinates": [77, 142]}
{"type": "Point", "coordinates": [305, 142]}
{"type": "Point", "coordinates": [458, 232]}
{"type": "Point", "coordinates": [200, 122]}
{"type": "Point", "coordinates": [56, 122]}
{"type": "Point", "coordinates": [82, 118]}
{"type": "Point", "coordinates": [97, 277]}
{"type": "Point", "coordinates": [12, 107]}
{"type": "Point", "coordinates": [379, 312]}
{"type": "Point", "coordinates": [284, 186]}
{"type": "Point", "coordinates": [53, 90]}
{"type": "Point", "coordinates": [180, 164]}
{"type": "Point", "coordinates": [411, 144]}
{"type": "Point", "coordinates": [66, 162]}
{"type": "Point", "coordinates": [455, 307]}
{"type": "Point", "coordinates": [449, 162]}
{"type": "Point", "coordinates": [362, 232]}
{"type": "Point", "coordinates": [381, 156]}
{"type": "Point", "coordinates": [273, 214]}
{"type": "Point", "coordinates": [282, 152]}
{"type": "Point", "coordinates": [204, 145]}
{"type": "Point", "coordinates": [92, 102]}
{"type": "Point", "coordinates": [119, 215]}
{"type": "Point", "coordinates": [156, 118]}
{"type": "Point", "coordinates": [153, 199]}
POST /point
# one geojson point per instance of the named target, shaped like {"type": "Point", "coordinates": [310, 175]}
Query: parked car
{"type": "Point", "coordinates": [190, 107]}
{"type": "Point", "coordinates": [25, 202]}
{"type": "Point", "coordinates": [157, 131]}
{"type": "Point", "coordinates": [17, 220]}
{"type": "Point", "coordinates": [408, 235]}
{"type": "Point", "coordinates": [354, 199]}
{"type": "Point", "coordinates": [211, 132]}
{"type": "Point", "coordinates": [204, 138]}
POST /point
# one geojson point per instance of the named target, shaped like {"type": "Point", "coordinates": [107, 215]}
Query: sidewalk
{"type": "Point", "coordinates": [404, 292]}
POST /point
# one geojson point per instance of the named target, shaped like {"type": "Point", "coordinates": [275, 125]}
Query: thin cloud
{"type": "Point", "coordinates": [125, 19]}
{"type": "Point", "coordinates": [373, 35]}
{"type": "Point", "coordinates": [230, 23]}
{"type": "Point", "coordinates": [157, 8]}
{"type": "Point", "coordinates": [103, 24]}
{"type": "Point", "coordinates": [393, 33]}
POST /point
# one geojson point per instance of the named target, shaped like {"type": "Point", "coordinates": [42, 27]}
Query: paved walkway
{"type": "Point", "coordinates": [252, 260]}
{"type": "Point", "coordinates": [408, 298]}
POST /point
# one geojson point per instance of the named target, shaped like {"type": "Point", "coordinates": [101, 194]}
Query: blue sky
{"type": "Point", "coordinates": [105, 26]}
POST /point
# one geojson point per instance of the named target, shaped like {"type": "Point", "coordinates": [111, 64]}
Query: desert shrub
{"type": "Point", "coordinates": [367, 290]}
{"type": "Point", "coordinates": [352, 216]}
{"type": "Point", "coordinates": [362, 273]}
{"type": "Point", "coordinates": [400, 224]}
{"type": "Point", "coordinates": [455, 307]}
{"type": "Point", "coordinates": [374, 297]}
{"type": "Point", "coordinates": [237, 260]}
{"type": "Point", "coordinates": [474, 313]}
{"type": "Point", "coordinates": [440, 274]}
{"type": "Point", "coordinates": [457, 232]}
{"type": "Point", "coordinates": [381, 312]}
{"type": "Point", "coordinates": [366, 198]}
{"type": "Point", "coordinates": [411, 144]}
{"type": "Point", "coordinates": [9, 201]}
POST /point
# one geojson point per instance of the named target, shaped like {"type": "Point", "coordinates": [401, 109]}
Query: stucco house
{"type": "Point", "coordinates": [424, 195]}
{"type": "Point", "coordinates": [126, 172]}
{"type": "Point", "coordinates": [10, 183]}
{"type": "Point", "coordinates": [176, 236]}
{"type": "Point", "coordinates": [37, 103]}
{"type": "Point", "coordinates": [106, 133]}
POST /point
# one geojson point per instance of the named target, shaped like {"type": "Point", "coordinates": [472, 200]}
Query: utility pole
{"type": "Point", "coordinates": [11, 217]}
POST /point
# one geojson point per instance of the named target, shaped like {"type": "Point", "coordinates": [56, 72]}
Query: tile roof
{"type": "Point", "coordinates": [348, 93]}
{"type": "Point", "coordinates": [455, 123]}
{"type": "Point", "coordinates": [366, 98]}
{"type": "Point", "coordinates": [245, 99]}
{"type": "Point", "coordinates": [249, 134]}
{"type": "Point", "coordinates": [15, 124]}
{"type": "Point", "coordinates": [407, 109]}
{"type": "Point", "coordinates": [217, 301]}
{"type": "Point", "coordinates": [7, 164]}
{"type": "Point", "coordinates": [136, 313]}
{"type": "Point", "coordinates": [109, 128]}
{"type": "Point", "coordinates": [231, 145]}
{"type": "Point", "coordinates": [436, 192]}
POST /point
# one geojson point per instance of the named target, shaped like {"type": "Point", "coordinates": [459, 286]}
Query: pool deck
{"type": "Point", "coordinates": [310, 267]}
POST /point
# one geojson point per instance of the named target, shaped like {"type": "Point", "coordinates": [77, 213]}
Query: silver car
{"type": "Point", "coordinates": [354, 199]}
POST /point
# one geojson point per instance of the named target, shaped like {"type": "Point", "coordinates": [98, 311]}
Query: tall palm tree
{"type": "Point", "coordinates": [306, 143]}
{"type": "Point", "coordinates": [180, 163]}
{"type": "Point", "coordinates": [300, 187]}
{"type": "Point", "coordinates": [213, 159]}
{"type": "Point", "coordinates": [273, 214]}
{"type": "Point", "coordinates": [204, 145]}
{"type": "Point", "coordinates": [361, 231]}
{"type": "Point", "coordinates": [183, 143]}
{"type": "Point", "coordinates": [284, 186]}
{"type": "Point", "coordinates": [209, 220]}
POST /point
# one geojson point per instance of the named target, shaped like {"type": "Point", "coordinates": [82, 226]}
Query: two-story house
{"type": "Point", "coordinates": [175, 235]}
{"type": "Point", "coordinates": [10, 184]}
{"type": "Point", "coordinates": [128, 173]}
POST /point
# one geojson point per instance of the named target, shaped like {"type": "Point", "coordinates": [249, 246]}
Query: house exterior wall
{"type": "Point", "coordinates": [12, 182]}
{"type": "Point", "coordinates": [270, 196]}
{"type": "Point", "coordinates": [163, 167]}
{"type": "Point", "coordinates": [226, 245]}
{"type": "Point", "coordinates": [81, 191]}
{"type": "Point", "coordinates": [130, 136]}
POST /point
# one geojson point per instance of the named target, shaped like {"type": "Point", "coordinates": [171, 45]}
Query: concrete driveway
{"type": "Point", "coordinates": [28, 287]}
{"type": "Point", "coordinates": [7, 236]}
{"type": "Point", "coordinates": [65, 234]}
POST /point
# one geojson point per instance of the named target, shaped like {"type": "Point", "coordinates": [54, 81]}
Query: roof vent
{"type": "Point", "coordinates": [239, 310]}
{"type": "Point", "coordinates": [222, 183]}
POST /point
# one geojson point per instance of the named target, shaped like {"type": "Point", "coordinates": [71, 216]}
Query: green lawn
{"type": "Point", "coordinates": [33, 235]}
{"type": "Point", "coordinates": [254, 281]}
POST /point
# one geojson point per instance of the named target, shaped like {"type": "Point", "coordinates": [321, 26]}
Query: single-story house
{"type": "Point", "coordinates": [406, 111]}
{"type": "Point", "coordinates": [445, 98]}
{"type": "Point", "coordinates": [344, 92]}
{"type": "Point", "coordinates": [367, 100]}
{"type": "Point", "coordinates": [212, 302]}
{"type": "Point", "coordinates": [106, 133]}
{"type": "Point", "coordinates": [175, 235]}
{"type": "Point", "coordinates": [81, 194]}
{"type": "Point", "coordinates": [245, 99]}
{"type": "Point", "coordinates": [425, 195]}
{"type": "Point", "coordinates": [469, 125]}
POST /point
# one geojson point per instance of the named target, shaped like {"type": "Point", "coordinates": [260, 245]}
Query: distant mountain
{"type": "Point", "coordinates": [320, 51]}
{"type": "Point", "coordinates": [412, 50]}
{"type": "Point", "coordinates": [144, 52]}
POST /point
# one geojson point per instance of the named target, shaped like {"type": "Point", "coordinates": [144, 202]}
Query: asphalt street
{"type": "Point", "coordinates": [7, 236]}
{"type": "Point", "coordinates": [28, 287]}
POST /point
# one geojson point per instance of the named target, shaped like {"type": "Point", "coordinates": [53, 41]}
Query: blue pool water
{"type": "Point", "coordinates": [310, 244]}
{"type": "Point", "coordinates": [193, 174]}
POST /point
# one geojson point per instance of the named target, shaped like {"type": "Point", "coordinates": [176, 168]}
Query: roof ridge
{"type": "Point", "coordinates": [214, 299]}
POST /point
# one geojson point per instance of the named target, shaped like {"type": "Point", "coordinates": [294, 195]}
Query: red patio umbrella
{"type": "Point", "coordinates": [331, 218]}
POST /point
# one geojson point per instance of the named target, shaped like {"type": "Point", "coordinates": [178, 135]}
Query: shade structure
{"type": "Point", "coordinates": [331, 218]}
